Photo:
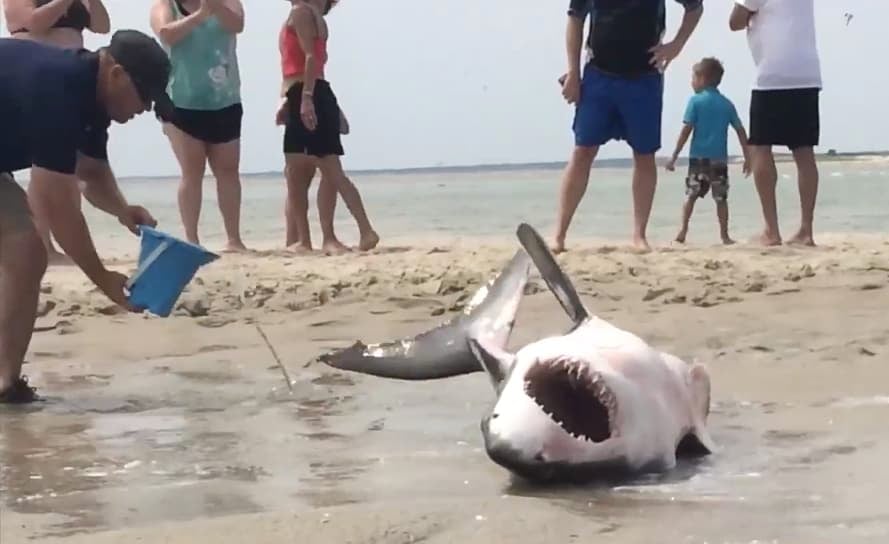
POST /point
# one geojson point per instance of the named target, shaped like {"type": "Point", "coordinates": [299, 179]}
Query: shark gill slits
{"type": "Point", "coordinates": [570, 397]}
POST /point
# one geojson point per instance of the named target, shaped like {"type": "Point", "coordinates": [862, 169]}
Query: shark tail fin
{"type": "Point", "coordinates": [445, 350]}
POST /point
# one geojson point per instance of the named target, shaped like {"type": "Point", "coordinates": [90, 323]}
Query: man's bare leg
{"type": "Point", "coordinates": [765, 175]}
{"type": "Point", "coordinates": [332, 171]}
{"type": "Point", "coordinates": [644, 185]}
{"type": "Point", "coordinates": [574, 184]}
{"type": "Point", "coordinates": [687, 209]}
{"type": "Point", "coordinates": [22, 265]}
{"type": "Point", "coordinates": [807, 180]}
{"type": "Point", "coordinates": [327, 197]}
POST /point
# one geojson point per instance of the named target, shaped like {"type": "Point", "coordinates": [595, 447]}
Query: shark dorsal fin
{"type": "Point", "coordinates": [552, 274]}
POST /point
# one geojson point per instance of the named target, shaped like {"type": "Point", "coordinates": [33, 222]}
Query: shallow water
{"type": "Point", "coordinates": [441, 206]}
{"type": "Point", "coordinates": [800, 420]}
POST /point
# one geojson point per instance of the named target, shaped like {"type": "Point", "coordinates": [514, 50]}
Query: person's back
{"type": "Point", "coordinates": [783, 44]}
{"type": "Point", "coordinates": [711, 114]}
{"type": "Point", "coordinates": [42, 97]}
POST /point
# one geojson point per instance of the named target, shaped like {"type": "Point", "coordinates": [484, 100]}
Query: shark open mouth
{"type": "Point", "coordinates": [578, 401]}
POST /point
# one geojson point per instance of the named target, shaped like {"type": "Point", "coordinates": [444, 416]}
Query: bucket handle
{"type": "Point", "coordinates": [153, 256]}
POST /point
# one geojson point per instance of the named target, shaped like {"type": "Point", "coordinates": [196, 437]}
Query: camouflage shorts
{"type": "Point", "coordinates": [15, 214]}
{"type": "Point", "coordinates": [704, 175]}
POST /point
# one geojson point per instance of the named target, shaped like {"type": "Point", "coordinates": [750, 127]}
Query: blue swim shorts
{"type": "Point", "coordinates": [619, 108]}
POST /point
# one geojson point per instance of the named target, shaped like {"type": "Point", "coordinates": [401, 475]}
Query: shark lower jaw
{"type": "Point", "coordinates": [575, 398]}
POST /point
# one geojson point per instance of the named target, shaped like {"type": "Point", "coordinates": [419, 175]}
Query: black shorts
{"type": "Point", "coordinates": [703, 175]}
{"type": "Point", "coordinates": [325, 139]}
{"type": "Point", "coordinates": [210, 126]}
{"type": "Point", "coordinates": [786, 117]}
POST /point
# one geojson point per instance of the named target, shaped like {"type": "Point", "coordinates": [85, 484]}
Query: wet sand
{"type": "Point", "coordinates": [182, 429]}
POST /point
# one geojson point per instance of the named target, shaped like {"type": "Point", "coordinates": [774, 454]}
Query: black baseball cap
{"type": "Point", "coordinates": [147, 64]}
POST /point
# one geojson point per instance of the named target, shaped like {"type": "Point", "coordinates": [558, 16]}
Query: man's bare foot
{"type": "Point", "coordinates": [767, 239]}
{"type": "Point", "coordinates": [727, 241]}
{"type": "Point", "coordinates": [300, 248]}
{"type": "Point", "coordinates": [334, 247]}
{"type": "Point", "coordinates": [802, 238]}
{"type": "Point", "coordinates": [558, 246]}
{"type": "Point", "coordinates": [681, 236]}
{"type": "Point", "coordinates": [235, 246]}
{"type": "Point", "coordinates": [369, 241]}
{"type": "Point", "coordinates": [640, 244]}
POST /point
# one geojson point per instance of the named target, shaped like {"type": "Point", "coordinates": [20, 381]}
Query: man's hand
{"type": "Point", "coordinates": [663, 54]}
{"type": "Point", "coordinates": [113, 285]}
{"type": "Point", "coordinates": [745, 168]}
{"type": "Point", "coordinates": [571, 87]}
{"type": "Point", "coordinates": [133, 216]}
{"type": "Point", "coordinates": [671, 164]}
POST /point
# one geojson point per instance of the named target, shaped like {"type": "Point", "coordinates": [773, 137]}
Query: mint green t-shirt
{"type": "Point", "coordinates": [205, 74]}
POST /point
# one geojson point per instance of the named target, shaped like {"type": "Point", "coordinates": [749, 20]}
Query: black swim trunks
{"type": "Point", "coordinates": [785, 117]}
{"type": "Point", "coordinates": [704, 175]}
{"type": "Point", "coordinates": [210, 126]}
{"type": "Point", "coordinates": [325, 139]}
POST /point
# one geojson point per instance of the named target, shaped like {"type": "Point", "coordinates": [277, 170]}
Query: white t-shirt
{"type": "Point", "coordinates": [781, 36]}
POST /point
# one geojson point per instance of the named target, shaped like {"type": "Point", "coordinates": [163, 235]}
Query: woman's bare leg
{"type": "Point", "coordinates": [225, 161]}
{"type": "Point", "coordinates": [299, 171]}
{"type": "Point", "coordinates": [192, 156]}
{"type": "Point", "coordinates": [332, 169]}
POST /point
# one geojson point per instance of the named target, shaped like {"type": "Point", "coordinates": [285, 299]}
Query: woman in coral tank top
{"type": "Point", "coordinates": [311, 114]}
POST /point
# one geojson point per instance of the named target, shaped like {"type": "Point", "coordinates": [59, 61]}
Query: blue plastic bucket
{"type": "Point", "coordinates": [166, 266]}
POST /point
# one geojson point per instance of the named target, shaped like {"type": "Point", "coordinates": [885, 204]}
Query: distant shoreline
{"type": "Point", "coordinates": [830, 156]}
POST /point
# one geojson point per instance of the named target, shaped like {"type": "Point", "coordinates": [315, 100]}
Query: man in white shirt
{"type": "Point", "coordinates": [783, 103]}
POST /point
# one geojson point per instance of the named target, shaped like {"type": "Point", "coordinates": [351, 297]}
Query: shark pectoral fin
{"type": "Point", "coordinates": [556, 279]}
{"type": "Point", "coordinates": [496, 362]}
{"type": "Point", "coordinates": [698, 440]}
{"type": "Point", "coordinates": [444, 351]}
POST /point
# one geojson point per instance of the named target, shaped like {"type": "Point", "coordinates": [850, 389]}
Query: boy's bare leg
{"type": "Point", "coordinates": [807, 180]}
{"type": "Point", "coordinates": [574, 184]}
{"type": "Point", "coordinates": [722, 214]}
{"type": "Point", "coordinates": [644, 184]}
{"type": "Point", "coordinates": [687, 209]}
{"type": "Point", "coordinates": [765, 176]}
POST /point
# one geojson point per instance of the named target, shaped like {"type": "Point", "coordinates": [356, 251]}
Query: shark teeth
{"type": "Point", "coordinates": [573, 397]}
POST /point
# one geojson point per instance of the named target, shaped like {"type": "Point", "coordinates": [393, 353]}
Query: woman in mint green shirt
{"type": "Point", "coordinates": [205, 86]}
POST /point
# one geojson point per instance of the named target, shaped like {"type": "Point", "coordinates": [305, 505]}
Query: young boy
{"type": "Point", "coordinates": [618, 94]}
{"type": "Point", "coordinates": [707, 118]}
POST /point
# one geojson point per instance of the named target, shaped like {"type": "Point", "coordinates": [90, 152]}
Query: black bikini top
{"type": "Point", "coordinates": [77, 16]}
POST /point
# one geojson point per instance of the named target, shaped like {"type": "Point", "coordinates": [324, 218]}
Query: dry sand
{"type": "Point", "coordinates": [180, 430]}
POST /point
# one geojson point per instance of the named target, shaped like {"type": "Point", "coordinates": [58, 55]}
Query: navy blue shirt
{"type": "Point", "coordinates": [49, 108]}
{"type": "Point", "coordinates": [622, 31]}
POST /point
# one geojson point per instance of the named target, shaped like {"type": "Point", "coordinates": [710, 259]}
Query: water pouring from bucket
{"type": "Point", "coordinates": [166, 265]}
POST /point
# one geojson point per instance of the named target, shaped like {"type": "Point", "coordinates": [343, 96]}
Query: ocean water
{"type": "Point", "coordinates": [441, 207]}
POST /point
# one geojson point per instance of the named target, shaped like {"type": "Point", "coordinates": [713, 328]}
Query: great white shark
{"type": "Point", "coordinates": [596, 401]}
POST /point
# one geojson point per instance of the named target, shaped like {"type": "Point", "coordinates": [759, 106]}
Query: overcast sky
{"type": "Point", "coordinates": [428, 83]}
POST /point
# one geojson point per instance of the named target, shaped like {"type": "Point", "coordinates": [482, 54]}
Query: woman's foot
{"type": "Point", "coordinates": [300, 248]}
{"type": "Point", "coordinates": [369, 241]}
{"type": "Point", "coordinates": [235, 246]}
{"type": "Point", "coordinates": [334, 247]}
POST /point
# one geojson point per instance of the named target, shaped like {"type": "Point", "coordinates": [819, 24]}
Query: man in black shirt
{"type": "Point", "coordinates": [619, 96]}
{"type": "Point", "coordinates": [55, 108]}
